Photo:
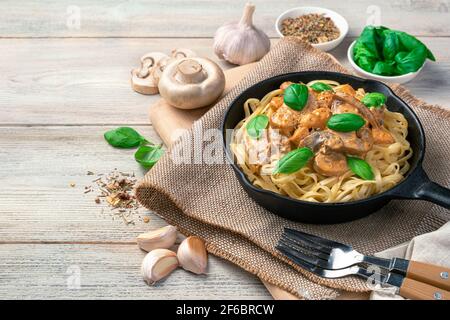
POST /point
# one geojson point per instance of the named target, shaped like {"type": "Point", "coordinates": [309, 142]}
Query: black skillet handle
{"type": "Point", "coordinates": [423, 188]}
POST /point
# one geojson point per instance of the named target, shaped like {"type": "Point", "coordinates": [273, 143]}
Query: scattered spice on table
{"type": "Point", "coordinates": [313, 28]}
{"type": "Point", "coordinates": [116, 190]}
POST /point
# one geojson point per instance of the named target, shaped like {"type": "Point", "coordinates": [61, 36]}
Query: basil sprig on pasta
{"type": "Point", "coordinates": [296, 96]}
{"type": "Point", "coordinates": [345, 122]}
{"type": "Point", "coordinates": [256, 126]}
{"type": "Point", "coordinates": [374, 99]}
{"type": "Point", "coordinates": [320, 86]}
{"type": "Point", "coordinates": [294, 160]}
{"type": "Point", "coordinates": [361, 168]}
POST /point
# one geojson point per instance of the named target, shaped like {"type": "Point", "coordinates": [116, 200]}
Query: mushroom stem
{"type": "Point", "coordinates": [247, 16]}
{"type": "Point", "coordinates": [190, 71]}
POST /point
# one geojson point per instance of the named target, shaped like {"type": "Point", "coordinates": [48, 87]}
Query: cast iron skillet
{"type": "Point", "coordinates": [416, 184]}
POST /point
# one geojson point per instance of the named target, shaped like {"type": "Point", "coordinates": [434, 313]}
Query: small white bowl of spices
{"type": "Point", "coordinates": [323, 28]}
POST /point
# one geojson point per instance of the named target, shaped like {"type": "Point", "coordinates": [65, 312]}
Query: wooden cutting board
{"type": "Point", "coordinates": [166, 119]}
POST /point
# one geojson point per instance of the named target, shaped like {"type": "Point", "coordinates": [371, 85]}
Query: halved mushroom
{"type": "Point", "coordinates": [141, 78]}
{"type": "Point", "coordinates": [191, 83]}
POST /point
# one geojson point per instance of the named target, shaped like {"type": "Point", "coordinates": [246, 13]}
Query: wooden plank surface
{"type": "Point", "coordinates": [175, 18]}
{"type": "Point", "coordinates": [86, 81]}
{"type": "Point", "coordinates": [36, 271]}
{"type": "Point", "coordinates": [38, 204]}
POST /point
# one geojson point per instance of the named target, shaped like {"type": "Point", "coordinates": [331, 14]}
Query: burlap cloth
{"type": "Point", "coordinates": [207, 200]}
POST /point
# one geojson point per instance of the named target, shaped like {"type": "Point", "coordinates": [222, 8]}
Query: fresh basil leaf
{"type": "Point", "coordinates": [361, 168]}
{"type": "Point", "coordinates": [374, 99]}
{"type": "Point", "coordinates": [409, 43]}
{"type": "Point", "coordinates": [296, 96]}
{"type": "Point", "coordinates": [320, 86]}
{"type": "Point", "coordinates": [294, 160]}
{"type": "Point", "coordinates": [147, 156]}
{"type": "Point", "coordinates": [256, 126]}
{"type": "Point", "coordinates": [384, 68]}
{"type": "Point", "coordinates": [360, 50]}
{"type": "Point", "coordinates": [124, 137]}
{"type": "Point", "coordinates": [345, 122]}
{"type": "Point", "coordinates": [391, 45]}
{"type": "Point", "coordinates": [412, 61]}
{"type": "Point", "coordinates": [370, 39]}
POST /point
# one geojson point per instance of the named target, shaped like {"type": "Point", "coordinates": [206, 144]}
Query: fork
{"type": "Point", "coordinates": [331, 259]}
{"type": "Point", "coordinates": [329, 254]}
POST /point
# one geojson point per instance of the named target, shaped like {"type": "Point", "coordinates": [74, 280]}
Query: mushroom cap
{"type": "Point", "coordinates": [191, 83]}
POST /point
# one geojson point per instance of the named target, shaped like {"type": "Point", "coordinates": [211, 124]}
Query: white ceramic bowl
{"type": "Point", "coordinates": [394, 79]}
{"type": "Point", "coordinates": [338, 20]}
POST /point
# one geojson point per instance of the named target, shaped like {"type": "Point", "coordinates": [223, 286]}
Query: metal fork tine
{"type": "Point", "coordinates": [312, 238]}
{"type": "Point", "coordinates": [304, 241]}
{"type": "Point", "coordinates": [291, 254]}
{"type": "Point", "coordinates": [299, 254]}
{"type": "Point", "coordinates": [300, 246]}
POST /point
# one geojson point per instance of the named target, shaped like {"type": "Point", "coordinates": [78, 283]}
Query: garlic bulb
{"type": "Point", "coordinates": [158, 264]}
{"type": "Point", "coordinates": [162, 238]}
{"type": "Point", "coordinates": [241, 43]}
{"type": "Point", "coordinates": [192, 255]}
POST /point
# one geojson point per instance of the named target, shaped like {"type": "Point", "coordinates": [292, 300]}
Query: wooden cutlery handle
{"type": "Point", "coordinates": [435, 275]}
{"type": "Point", "coordinates": [415, 290]}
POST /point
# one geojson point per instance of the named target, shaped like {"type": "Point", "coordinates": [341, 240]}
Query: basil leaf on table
{"type": "Point", "coordinates": [256, 126]}
{"type": "Point", "coordinates": [345, 122]}
{"type": "Point", "coordinates": [296, 96]}
{"type": "Point", "coordinates": [147, 156]}
{"type": "Point", "coordinates": [374, 99]}
{"type": "Point", "coordinates": [361, 168]}
{"type": "Point", "coordinates": [294, 160]}
{"type": "Point", "coordinates": [320, 86]}
{"type": "Point", "coordinates": [124, 137]}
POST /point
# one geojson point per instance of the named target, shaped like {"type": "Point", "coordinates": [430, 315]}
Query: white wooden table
{"type": "Point", "coordinates": [63, 84]}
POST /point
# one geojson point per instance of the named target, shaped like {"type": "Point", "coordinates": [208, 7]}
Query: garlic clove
{"type": "Point", "coordinates": [241, 43]}
{"type": "Point", "coordinates": [158, 264]}
{"type": "Point", "coordinates": [162, 238]}
{"type": "Point", "coordinates": [192, 255]}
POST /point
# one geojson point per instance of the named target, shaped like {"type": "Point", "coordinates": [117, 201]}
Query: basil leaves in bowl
{"type": "Point", "coordinates": [388, 55]}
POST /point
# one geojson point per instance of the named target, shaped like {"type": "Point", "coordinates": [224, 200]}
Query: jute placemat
{"type": "Point", "coordinates": [207, 200]}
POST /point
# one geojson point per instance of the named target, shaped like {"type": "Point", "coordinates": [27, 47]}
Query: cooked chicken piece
{"type": "Point", "coordinates": [356, 143]}
{"type": "Point", "coordinates": [382, 136]}
{"type": "Point", "coordinates": [362, 109]}
{"type": "Point", "coordinates": [311, 104]}
{"type": "Point", "coordinates": [324, 99]}
{"type": "Point", "coordinates": [270, 145]}
{"type": "Point", "coordinates": [258, 150]}
{"type": "Point", "coordinates": [330, 164]}
{"type": "Point", "coordinates": [316, 119]}
{"type": "Point", "coordinates": [285, 84]}
{"type": "Point", "coordinates": [285, 119]}
{"type": "Point", "coordinates": [275, 103]}
{"type": "Point", "coordinates": [299, 134]}
{"type": "Point", "coordinates": [345, 88]}
{"type": "Point", "coordinates": [338, 106]}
